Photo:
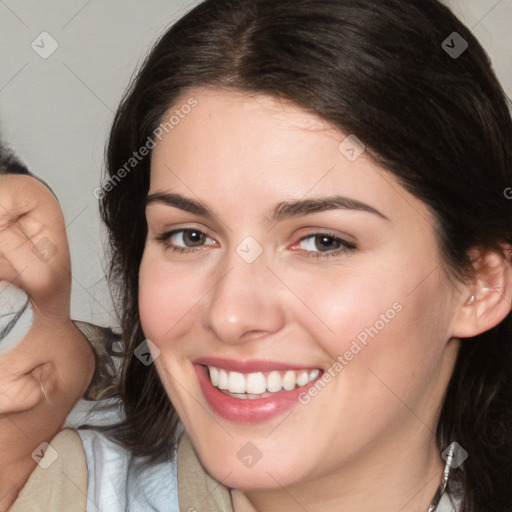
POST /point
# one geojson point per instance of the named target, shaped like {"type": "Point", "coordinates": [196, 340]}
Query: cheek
{"type": "Point", "coordinates": [378, 319]}
{"type": "Point", "coordinates": [168, 298]}
{"type": "Point", "coordinates": [343, 305]}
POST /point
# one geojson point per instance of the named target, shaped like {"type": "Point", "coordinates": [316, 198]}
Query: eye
{"type": "Point", "coordinates": [185, 240]}
{"type": "Point", "coordinates": [323, 244]}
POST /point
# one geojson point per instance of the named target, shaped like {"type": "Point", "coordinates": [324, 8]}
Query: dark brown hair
{"type": "Point", "coordinates": [439, 124]}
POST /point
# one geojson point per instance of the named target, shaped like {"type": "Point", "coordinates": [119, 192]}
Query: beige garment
{"type": "Point", "coordinates": [197, 490]}
{"type": "Point", "coordinates": [62, 485]}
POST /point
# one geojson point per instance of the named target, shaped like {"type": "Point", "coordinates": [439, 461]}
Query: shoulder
{"type": "Point", "coordinates": [119, 482]}
{"type": "Point", "coordinates": [60, 479]}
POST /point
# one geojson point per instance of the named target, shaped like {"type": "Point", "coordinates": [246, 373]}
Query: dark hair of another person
{"type": "Point", "coordinates": [10, 163]}
{"type": "Point", "coordinates": [440, 125]}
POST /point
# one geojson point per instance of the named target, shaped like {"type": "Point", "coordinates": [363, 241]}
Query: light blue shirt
{"type": "Point", "coordinates": [118, 482]}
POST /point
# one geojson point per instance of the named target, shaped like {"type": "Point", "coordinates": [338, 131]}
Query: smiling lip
{"type": "Point", "coordinates": [249, 410]}
{"type": "Point", "coordinates": [233, 365]}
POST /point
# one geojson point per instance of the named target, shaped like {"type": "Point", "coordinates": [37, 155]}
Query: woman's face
{"type": "Point", "coordinates": [287, 262]}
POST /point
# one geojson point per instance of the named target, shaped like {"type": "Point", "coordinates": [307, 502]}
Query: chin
{"type": "Point", "coordinates": [262, 475]}
{"type": "Point", "coordinates": [252, 479]}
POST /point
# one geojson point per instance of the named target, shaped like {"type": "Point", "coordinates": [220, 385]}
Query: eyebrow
{"type": "Point", "coordinates": [283, 211]}
{"type": "Point", "coordinates": [183, 203]}
{"type": "Point", "coordinates": [287, 210]}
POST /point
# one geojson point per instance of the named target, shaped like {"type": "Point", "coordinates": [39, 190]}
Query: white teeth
{"type": "Point", "coordinates": [253, 385]}
{"type": "Point", "coordinates": [236, 382]}
{"type": "Point", "coordinates": [256, 384]}
{"type": "Point", "coordinates": [289, 380]}
{"type": "Point", "coordinates": [214, 376]}
{"type": "Point", "coordinates": [274, 382]}
{"type": "Point", "coordinates": [302, 378]}
{"type": "Point", "coordinates": [223, 380]}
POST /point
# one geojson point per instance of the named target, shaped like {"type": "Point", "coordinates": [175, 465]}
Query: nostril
{"type": "Point", "coordinates": [254, 334]}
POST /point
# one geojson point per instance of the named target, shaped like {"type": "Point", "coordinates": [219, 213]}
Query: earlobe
{"type": "Point", "coordinates": [487, 300]}
{"type": "Point", "coordinates": [22, 391]}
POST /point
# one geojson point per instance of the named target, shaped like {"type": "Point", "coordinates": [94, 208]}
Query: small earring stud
{"type": "Point", "coordinates": [471, 300]}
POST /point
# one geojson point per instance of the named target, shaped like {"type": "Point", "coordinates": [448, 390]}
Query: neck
{"type": "Point", "coordinates": [399, 479]}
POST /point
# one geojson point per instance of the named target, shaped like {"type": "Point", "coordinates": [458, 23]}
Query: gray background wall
{"type": "Point", "coordinates": [56, 112]}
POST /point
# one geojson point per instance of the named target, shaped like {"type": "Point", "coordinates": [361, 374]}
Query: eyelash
{"type": "Point", "coordinates": [345, 248]}
{"type": "Point", "coordinates": [165, 238]}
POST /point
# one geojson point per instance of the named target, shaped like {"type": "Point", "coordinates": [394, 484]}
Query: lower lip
{"type": "Point", "coordinates": [247, 410]}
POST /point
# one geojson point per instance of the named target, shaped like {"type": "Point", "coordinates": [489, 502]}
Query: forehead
{"type": "Point", "coordinates": [235, 136]}
{"type": "Point", "coordinates": [236, 144]}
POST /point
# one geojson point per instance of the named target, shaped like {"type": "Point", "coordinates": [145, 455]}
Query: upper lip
{"type": "Point", "coordinates": [251, 366]}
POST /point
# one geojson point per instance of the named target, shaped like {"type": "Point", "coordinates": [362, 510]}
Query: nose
{"type": "Point", "coordinates": [245, 303]}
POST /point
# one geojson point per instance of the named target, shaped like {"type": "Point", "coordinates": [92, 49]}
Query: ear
{"type": "Point", "coordinates": [21, 388]}
{"type": "Point", "coordinates": [486, 301]}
